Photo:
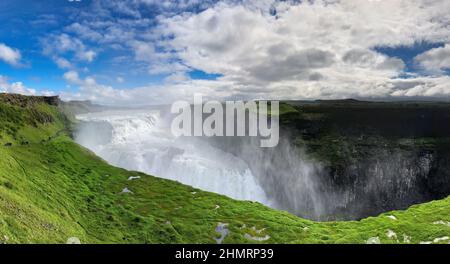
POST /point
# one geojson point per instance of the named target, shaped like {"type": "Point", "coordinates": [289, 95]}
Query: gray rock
{"type": "Point", "coordinates": [373, 240]}
{"type": "Point", "coordinates": [73, 240]}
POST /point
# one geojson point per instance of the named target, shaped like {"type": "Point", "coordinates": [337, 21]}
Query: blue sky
{"type": "Point", "coordinates": [21, 29]}
{"type": "Point", "coordinates": [26, 23]}
{"type": "Point", "coordinates": [138, 50]}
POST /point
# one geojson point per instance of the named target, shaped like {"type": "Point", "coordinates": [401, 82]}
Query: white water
{"type": "Point", "coordinates": [140, 140]}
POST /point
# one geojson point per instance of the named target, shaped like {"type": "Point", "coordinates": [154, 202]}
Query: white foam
{"type": "Point", "coordinates": [140, 140]}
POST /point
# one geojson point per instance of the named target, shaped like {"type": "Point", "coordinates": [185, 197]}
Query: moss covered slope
{"type": "Point", "coordinates": [52, 189]}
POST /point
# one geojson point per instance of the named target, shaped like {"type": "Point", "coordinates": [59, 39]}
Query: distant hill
{"type": "Point", "coordinates": [82, 107]}
{"type": "Point", "coordinates": [25, 101]}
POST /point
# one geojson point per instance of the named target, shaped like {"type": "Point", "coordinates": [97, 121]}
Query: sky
{"type": "Point", "coordinates": [139, 52]}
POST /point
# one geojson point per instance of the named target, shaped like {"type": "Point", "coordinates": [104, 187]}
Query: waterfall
{"type": "Point", "coordinates": [141, 140]}
{"type": "Point", "coordinates": [284, 177]}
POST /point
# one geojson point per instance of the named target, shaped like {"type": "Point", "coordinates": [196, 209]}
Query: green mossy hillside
{"type": "Point", "coordinates": [26, 119]}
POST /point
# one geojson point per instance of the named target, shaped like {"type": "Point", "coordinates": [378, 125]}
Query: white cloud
{"type": "Point", "coordinates": [423, 86]}
{"type": "Point", "coordinates": [144, 51]}
{"type": "Point", "coordinates": [84, 31]}
{"type": "Point", "coordinates": [15, 87]}
{"type": "Point", "coordinates": [10, 55]}
{"type": "Point", "coordinates": [62, 63]}
{"type": "Point", "coordinates": [72, 77]}
{"type": "Point", "coordinates": [147, 95]}
{"type": "Point", "coordinates": [90, 89]}
{"type": "Point", "coordinates": [62, 44]}
{"type": "Point", "coordinates": [163, 67]}
{"type": "Point", "coordinates": [312, 49]}
{"type": "Point", "coordinates": [87, 55]}
{"type": "Point", "coordinates": [177, 77]}
{"type": "Point", "coordinates": [435, 60]}
{"type": "Point", "coordinates": [45, 20]}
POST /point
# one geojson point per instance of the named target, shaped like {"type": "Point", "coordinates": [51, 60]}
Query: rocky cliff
{"type": "Point", "coordinates": [351, 159]}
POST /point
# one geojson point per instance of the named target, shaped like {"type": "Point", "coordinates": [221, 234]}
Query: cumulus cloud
{"type": "Point", "coordinates": [435, 60]}
{"type": "Point", "coordinates": [277, 49]}
{"type": "Point", "coordinates": [370, 59]}
{"type": "Point", "coordinates": [313, 49]}
{"type": "Point", "coordinates": [9, 55]}
{"type": "Point", "coordinates": [15, 87]}
{"type": "Point", "coordinates": [90, 89]}
{"type": "Point", "coordinates": [422, 86]}
{"type": "Point", "coordinates": [177, 77]}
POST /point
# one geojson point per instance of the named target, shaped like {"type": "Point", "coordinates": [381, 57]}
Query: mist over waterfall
{"type": "Point", "coordinates": [141, 140]}
{"type": "Point", "coordinates": [284, 177]}
{"type": "Point", "coordinates": [237, 167]}
{"type": "Point", "coordinates": [387, 180]}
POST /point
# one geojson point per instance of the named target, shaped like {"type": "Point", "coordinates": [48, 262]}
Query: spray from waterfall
{"type": "Point", "coordinates": [283, 177]}
{"type": "Point", "coordinates": [141, 140]}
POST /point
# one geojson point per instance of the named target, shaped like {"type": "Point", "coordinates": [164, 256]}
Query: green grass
{"type": "Point", "coordinates": [52, 189]}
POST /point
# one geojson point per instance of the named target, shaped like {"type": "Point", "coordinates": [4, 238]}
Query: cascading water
{"type": "Point", "coordinates": [283, 177]}
{"type": "Point", "coordinates": [140, 140]}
